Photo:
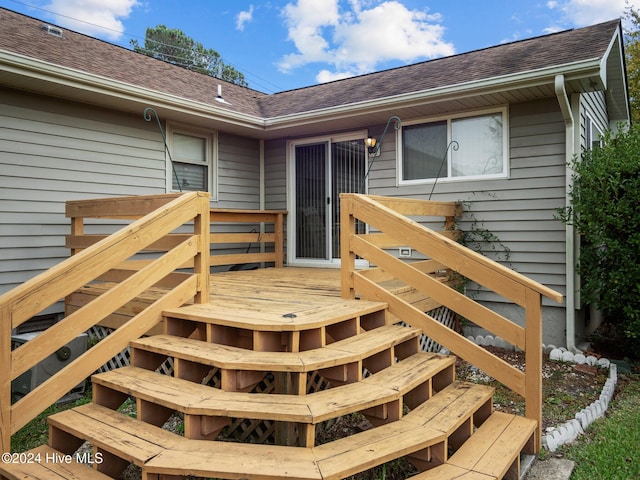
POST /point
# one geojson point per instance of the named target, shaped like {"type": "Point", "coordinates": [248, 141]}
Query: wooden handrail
{"type": "Point", "coordinates": [388, 217]}
{"type": "Point", "coordinates": [161, 215]}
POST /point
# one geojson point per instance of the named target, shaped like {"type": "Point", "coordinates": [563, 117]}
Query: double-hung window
{"type": "Point", "coordinates": [191, 166]}
{"type": "Point", "coordinates": [466, 147]}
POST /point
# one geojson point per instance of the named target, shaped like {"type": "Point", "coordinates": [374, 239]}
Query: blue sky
{"type": "Point", "coordinates": [285, 44]}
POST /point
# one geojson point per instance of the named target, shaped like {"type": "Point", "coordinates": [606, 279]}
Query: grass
{"type": "Point", "coordinates": [36, 432]}
{"type": "Point", "coordinates": [609, 449]}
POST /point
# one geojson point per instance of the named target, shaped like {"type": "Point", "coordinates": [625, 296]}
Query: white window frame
{"type": "Point", "coordinates": [211, 154]}
{"type": "Point", "coordinates": [448, 177]}
{"type": "Point", "coordinates": [591, 132]}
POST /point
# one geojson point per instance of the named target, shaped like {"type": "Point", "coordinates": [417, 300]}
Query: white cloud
{"type": "Point", "coordinates": [244, 17]}
{"type": "Point", "coordinates": [588, 12]}
{"type": "Point", "coordinates": [93, 17]}
{"type": "Point", "coordinates": [355, 36]}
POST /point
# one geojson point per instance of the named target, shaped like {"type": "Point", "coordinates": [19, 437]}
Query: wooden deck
{"type": "Point", "coordinates": [325, 337]}
{"type": "Point", "coordinates": [286, 298]}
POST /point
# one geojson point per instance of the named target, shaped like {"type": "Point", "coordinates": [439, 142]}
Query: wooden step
{"type": "Point", "coordinates": [331, 461]}
{"type": "Point", "coordinates": [207, 410]}
{"type": "Point", "coordinates": [123, 439]}
{"type": "Point", "coordinates": [266, 325]}
{"type": "Point", "coordinates": [227, 460]}
{"type": "Point", "coordinates": [340, 362]}
{"type": "Point", "coordinates": [120, 439]}
{"type": "Point", "coordinates": [492, 452]}
{"type": "Point", "coordinates": [424, 434]}
{"type": "Point", "coordinates": [46, 463]}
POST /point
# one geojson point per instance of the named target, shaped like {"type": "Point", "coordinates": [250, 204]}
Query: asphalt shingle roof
{"type": "Point", "coordinates": [24, 35]}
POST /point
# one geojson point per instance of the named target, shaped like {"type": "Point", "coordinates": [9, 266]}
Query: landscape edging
{"type": "Point", "coordinates": [555, 437]}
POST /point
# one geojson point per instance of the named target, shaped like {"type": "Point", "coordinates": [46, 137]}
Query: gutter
{"type": "Point", "coordinates": [570, 257]}
{"type": "Point", "coordinates": [87, 82]}
{"type": "Point", "coordinates": [533, 78]}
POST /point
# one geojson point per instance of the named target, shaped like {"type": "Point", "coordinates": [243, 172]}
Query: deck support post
{"type": "Point", "coordinates": [533, 362]}
{"type": "Point", "coordinates": [347, 256]}
{"type": "Point", "coordinates": [5, 380]}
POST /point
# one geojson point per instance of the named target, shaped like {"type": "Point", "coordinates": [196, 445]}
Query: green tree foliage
{"type": "Point", "coordinates": [173, 46]}
{"type": "Point", "coordinates": [632, 54]}
{"type": "Point", "coordinates": [605, 211]}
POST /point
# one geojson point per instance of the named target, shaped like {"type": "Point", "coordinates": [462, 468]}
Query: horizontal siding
{"type": "Point", "coordinates": [238, 172]}
{"type": "Point", "coordinates": [519, 210]}
{"type": "Point", "coordinates": [52, 152]}
{"type": "Point", "coordinates": [276, 175]}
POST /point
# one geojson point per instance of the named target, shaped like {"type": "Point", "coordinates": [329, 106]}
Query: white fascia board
{"type": "Point", "coordinates": [77, 79]}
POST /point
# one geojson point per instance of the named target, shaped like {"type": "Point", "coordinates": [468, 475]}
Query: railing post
{"type": "Point", "coordinates": [5, 379]}
{"type": "Point", "coordinates": [202, 260]}
{"type": "Point", "coordinates": [533, 362]}
{"type": "Point", "coordinates": [77, 229]}
{"type": "Point", "coordinates": [278, 229]}
{"type": "Point", "coordinates": [347, 257]}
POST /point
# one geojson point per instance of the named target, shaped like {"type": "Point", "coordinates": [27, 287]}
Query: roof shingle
{"type": "Point", "coordinates": [24, 35]}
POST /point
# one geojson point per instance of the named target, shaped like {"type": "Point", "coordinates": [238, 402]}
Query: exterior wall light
{"type": "Point", "coordinates": [373, 146]}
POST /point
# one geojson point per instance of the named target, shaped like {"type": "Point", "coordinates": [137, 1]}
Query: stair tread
{"type": "Point", "coordinates": [133, 440]}
{"type": "Point", "coordinates": [196, 399]}
{"type": "Point", "coordinates": [46, 463]}
{"type": "Point", "coordinates": [457, 397]}
{"type": "Point", "coordinates": [160, 451]}
{"type": "Point", "coordinates": [385, 386]}
{"type": "Point", "coordinates": [229, 357]}
{"type": "Point", "coordinates": [280, 316]}
{"type": "Point", "coordinates": [222, 459]}
{"type": "Point", "coordinates": [334, 460]}
{"type": "Point", "coordinates": [501, 437]}
{"type": "Point", "coordinates": [451, 472]}
{"type": "Point", "coordinates": [412, 433]}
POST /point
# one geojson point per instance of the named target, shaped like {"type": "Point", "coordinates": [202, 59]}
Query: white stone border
{"type": "Point", "coordinates": [555, 437]}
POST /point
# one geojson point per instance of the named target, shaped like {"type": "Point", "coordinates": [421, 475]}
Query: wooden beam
{"type": "Point", "coordinates": [5, 379]}
{"type": "Point", "coordinates": [533, 361]}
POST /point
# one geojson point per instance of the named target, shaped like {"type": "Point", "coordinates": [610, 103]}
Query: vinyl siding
{"type": "Point", "coordinates": [519, 210]}
{"type": "Point", "coordinates": [52, 151]}
{"type": "Point", "coordinates": [276, 174]}
{"type": "Point", "coordinates": [238, 172]}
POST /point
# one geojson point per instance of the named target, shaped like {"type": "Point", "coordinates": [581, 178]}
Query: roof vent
{"type": "Point", "coordinates": [219, 98]}
{"type": "Point", "coordinates": [51, 30]}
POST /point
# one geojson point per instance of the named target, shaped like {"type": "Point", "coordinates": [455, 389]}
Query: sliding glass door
{"type": "Point", "coordinates": [322, 171]}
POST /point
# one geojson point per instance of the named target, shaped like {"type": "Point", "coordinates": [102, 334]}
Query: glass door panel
{"type": "Point", "coordinates": [311, 201]}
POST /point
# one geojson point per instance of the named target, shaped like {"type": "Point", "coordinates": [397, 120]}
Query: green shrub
{"type": "Point", "coordinates": [605, 210]}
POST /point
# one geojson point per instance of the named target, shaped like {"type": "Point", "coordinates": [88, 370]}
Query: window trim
{"type": "Point", "coordinates": [211, 154]}
{"type": "Point", "coordinates": [503, 110]}
{"type": "Point", "coordinates": [590, 128]}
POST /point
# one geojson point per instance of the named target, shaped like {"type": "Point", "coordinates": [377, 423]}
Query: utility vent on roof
{"type": "Point", "coordinates": [51, 30]}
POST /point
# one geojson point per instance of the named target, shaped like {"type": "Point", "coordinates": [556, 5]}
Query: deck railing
{"type": "Point", "coordinates": [157, 217]}
{"type": "Point", "coordinates": [231, 229]}
{"type": "Point", "coordinates": [390, 218]}
{"type": "Point", "coordinates": [227, 230]}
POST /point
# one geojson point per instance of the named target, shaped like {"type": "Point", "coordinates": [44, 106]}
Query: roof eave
{"type": "Point", "coordinates": [588, 72]}
{"type": "Point", "coordinates": [105, 91]}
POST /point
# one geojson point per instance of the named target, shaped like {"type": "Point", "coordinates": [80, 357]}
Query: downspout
{"type": "Point", "coordinates": [567, 114]}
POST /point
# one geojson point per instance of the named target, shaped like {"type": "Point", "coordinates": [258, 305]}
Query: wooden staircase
{"type": "Point", "coordinates": [291, 350]}
{"type": "Point", "coordinates": [417, 410]}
